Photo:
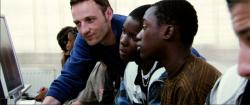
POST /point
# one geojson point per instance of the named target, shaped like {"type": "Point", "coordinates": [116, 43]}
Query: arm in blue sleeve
{"type": "Point", "coordinates": [76, 71]}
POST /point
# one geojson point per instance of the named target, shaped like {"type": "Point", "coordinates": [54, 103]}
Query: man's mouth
{"type": "Point", "coordinates": [89, 37]}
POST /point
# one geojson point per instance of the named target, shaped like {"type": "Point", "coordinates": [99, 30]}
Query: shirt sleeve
{"type": "Point", "coordinates": [196, 53]}
{"type": "Point", "coordinates": [122, 96]}
{"type": "Point", "coordinates": [75, 72]}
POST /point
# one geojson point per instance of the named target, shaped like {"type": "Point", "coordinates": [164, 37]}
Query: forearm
{"type": "Point", "coordinates": [49, 100]}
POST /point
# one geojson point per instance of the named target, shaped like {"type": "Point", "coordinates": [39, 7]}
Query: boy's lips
{"type": "Point", "coordinates": [123, 51]}
{"type": "Point", "coordinates": [138, 46]}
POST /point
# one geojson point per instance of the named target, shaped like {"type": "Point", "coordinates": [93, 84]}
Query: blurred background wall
{"type": "Point", "coordinates": [34, 25]}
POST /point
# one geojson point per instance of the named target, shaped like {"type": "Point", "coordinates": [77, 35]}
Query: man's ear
{"type": "Point", "coordinates": [109, 13]}
{"type": "Point", "coordinates": [167, 31]}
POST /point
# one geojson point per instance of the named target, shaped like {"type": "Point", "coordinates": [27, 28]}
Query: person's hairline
{"type": "Point", "coordinates": [99, 6]}
{"type": "Point", "coordinates": [155, 7]}
{"type": "Point", "coordinates": [132, 17]}
{"type": "Point", "coordinates": [232, 3]}
{"type": "Point", "coordinates": [175, 23]}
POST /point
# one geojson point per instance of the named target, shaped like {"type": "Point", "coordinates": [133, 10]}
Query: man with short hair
{"type": "Point", "coordinates": [97, 40]}
{"type": "Point", "coordinates": [168, 31]}
{"type": "Point", "coordinates": [234, 86]}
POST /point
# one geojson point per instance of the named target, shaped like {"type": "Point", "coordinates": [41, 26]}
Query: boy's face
{"type": "Point", "coordinates": [70, 43]}
{"type": "Point", "coordinates": [91, 22]}
{"type": "Point", "coordinates": [149, 37]}
{"type": "Point", "coordinates": [241, 24]}
{"type": "Point", "coordinates": [128, 47]}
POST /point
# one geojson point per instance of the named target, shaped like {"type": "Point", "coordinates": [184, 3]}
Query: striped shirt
{"type": "Point", "coordinates": [191, 84]}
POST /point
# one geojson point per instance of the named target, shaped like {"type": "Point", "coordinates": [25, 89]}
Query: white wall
{"type": "Point", "coordinates": [35, 23]}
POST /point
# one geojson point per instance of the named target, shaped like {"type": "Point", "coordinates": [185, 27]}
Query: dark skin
{"type": "Point", "coordinates": [162, 43]}
{"type": "Point", "coordinates": [128, 47]}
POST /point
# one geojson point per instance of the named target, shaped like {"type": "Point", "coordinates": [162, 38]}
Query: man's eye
{"type": "Point", "coordinates": [244, 35]}
{"type": "Point", "coordinates": [78, 24]}
{"type": "Point", "coordinates": [89, 20]}
{"type": "Point", "coordinates": [247, 40]}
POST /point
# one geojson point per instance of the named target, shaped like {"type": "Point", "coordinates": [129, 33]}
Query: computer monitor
{"type": "Point", "coordinates": [11, 79]}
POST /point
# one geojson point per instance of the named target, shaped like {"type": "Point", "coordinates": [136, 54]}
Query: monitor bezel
{"type": "Point", "coordinates": [9, 93]}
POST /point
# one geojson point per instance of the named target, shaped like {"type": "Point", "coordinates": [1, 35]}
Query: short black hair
{"type": "Point", "coordinates": [138, 13]}
{"type": "Point", "coordinates": [231, 3]}
{"type": "Point", "coordinates": [62, 36]}
{"type": "Point", "coordinates": [104, 4]}
{"type": "Point", "coordinates": [180, 13]}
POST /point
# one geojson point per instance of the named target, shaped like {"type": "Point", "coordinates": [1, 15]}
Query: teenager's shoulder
{"type": "Point", "coordinates": [227, 88]}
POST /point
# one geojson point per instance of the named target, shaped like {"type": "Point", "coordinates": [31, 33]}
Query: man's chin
{"type": "Point", "coordinates": [92, 43]}
{"type": "Point", "coordinates": [244, 70]}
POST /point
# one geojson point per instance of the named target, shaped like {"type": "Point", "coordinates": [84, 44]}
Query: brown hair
{"type": "Point", "coordinates": [104, 4]}
{"type": "Point", "coordinates": [231, 3]}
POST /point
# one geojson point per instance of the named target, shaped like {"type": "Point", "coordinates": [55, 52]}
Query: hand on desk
{"type": "Point", "coordinates": [41, 94]}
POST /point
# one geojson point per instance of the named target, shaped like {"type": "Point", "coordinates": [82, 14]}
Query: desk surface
{"type": "Point", "coordinates": [28, 102]}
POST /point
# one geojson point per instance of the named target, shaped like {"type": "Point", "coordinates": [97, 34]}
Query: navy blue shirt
{"type": "Point", "coordinates": [83, 58]}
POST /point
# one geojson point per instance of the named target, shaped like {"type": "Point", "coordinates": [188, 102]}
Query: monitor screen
{"type": "Point", "coordinates": [1, 92]}
{"type": "Point", "coordinates": [11, 79]}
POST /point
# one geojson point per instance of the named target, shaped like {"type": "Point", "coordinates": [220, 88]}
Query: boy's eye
{"type": "Point", "coordinates": [131, 36]}
{"type": "Point", "coordinates": [124, 33]}
{"type": "Point", "coordinates": [122, 30]}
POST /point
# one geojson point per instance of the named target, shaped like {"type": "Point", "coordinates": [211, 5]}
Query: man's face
{"type": "Point", "coordinates": [149, 36]}
{"type": "Point", "coordinates": [128, 47]}
{"type": "Point", "coordinates": [241, 24]}
{"type": "Point", "coordinates": [91, 22]}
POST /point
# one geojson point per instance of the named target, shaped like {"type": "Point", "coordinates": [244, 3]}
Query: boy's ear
{"type": "Point", "coordinates": [109, 13]}
{"type": "Point", "coordinates": [167, 31]}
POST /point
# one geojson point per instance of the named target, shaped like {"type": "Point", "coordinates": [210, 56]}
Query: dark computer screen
{"type": "Point", "coordinates": [1, 92]}
{"type": "Point", "coordinates": [10, 68]}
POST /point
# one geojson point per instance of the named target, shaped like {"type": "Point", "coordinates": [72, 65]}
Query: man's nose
{"type": "Point", "coordinates": [84, 29]}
